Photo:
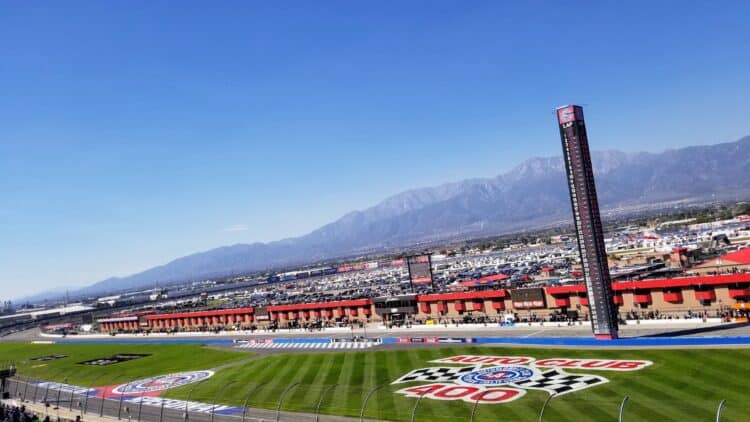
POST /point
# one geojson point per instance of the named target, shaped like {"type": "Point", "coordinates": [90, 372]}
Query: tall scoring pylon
{"type": "Point", "coordinates": [587, 221]}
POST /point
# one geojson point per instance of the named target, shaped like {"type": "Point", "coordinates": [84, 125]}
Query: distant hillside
{"type": "Point", "coordinates": [531, 194]}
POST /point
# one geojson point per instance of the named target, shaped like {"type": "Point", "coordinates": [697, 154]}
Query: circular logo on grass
{"type": "Point", "coordinates": [162, 382]}
{"type": "Point", "coordinates": [498, 375]}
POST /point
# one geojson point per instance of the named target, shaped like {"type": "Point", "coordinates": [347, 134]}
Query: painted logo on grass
{"type": "Point", "coordinates": [498, 375]}
{"type": "Point", "coordinates": [162, 382]}
{"type": "Point", "coordinates": [502, 379]}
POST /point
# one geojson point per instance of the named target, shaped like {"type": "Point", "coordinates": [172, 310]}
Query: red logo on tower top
{"type": "Point", "coordinates": [567, 114]}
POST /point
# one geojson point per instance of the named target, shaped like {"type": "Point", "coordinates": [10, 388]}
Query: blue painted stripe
{"type": "Point", "coordinates": [156, 340]}
{"type": "Point", "coordinates": [151, 340]}
{"type": "Point", "coordinates": [587, 341]}
{"type": "Point", "coordinates": [624, 342]}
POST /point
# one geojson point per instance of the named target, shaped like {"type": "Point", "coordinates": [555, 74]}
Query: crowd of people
{"type": "Point", "coordinates": [636, 314]}
{"type": "Point", "coordinates": [12, 413]}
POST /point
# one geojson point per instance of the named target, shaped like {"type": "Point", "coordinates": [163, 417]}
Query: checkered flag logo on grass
{"type": "Point", "coordinates": [558, 382]}
{"type": "Point", "coordinates": [436, 374]}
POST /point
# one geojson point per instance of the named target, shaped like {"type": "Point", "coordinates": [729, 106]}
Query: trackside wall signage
{"type": "Point", "coordinates": [502, 379]}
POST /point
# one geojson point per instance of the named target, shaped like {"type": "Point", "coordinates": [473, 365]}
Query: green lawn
{"type": "Point", "coordinates": [163, 359]}
{"type": "Point", "coordinates": [681, 385]}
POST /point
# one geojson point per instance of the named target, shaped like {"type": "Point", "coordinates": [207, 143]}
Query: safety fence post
{"type": "Point", "coordinates": [719, 409]}
{"type": "Point", "coordinates": [84, 409]}
{"type": "Point", "coordinates": [320, 401]}
{"type": "Point", "coordinates": [26, 387]}
{"type": "Point", "coordinates": [59, 391]}
{"type": "Point", "coordinates": [36, 387]}
{"type": "Point", "coordinates": [70, 405]}
{"type": "Point", "coordinates": [216, 396]}
{"type": "Point", "coordinates": [119, 405]}
{"type": "Point", "coordinates": [281, 399]}
{"type": "Point", "coordinates": [46, 391]}
{"type": "Point", "coordinates": [161, 411]}
{"type": "Point", "coordinates": [414, 409]}
{"type": "Point", "coordinates": [18, 386]}
{"type": "Point", "coordinates": [101, 403]}
{"type": "Point", "coordinates": [367, 398]}
{"type": "Point", "coordinates": [480, 396]}
{"type": "Point", "coordinates": [140, 405]}
{"type": "Point", "coordinates": [187, 401]}
{"type": "Point", "coordinates": [247, 398]}
{"type": "Point", "coordinates": [622, 408]}
{"type": "Point", "coordinates": [544, 406]}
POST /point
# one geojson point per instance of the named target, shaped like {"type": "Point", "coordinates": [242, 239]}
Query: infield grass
{"type": "Point", "coordinates": [681, 385]}
{"type": "Point", "coordinates": [162, 359]}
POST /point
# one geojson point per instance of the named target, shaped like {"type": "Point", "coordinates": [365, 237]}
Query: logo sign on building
{"type": "Point", "coordinates": [420, 269]}
{"type": "Point", "coordinates": [528, 298]}
{"type": "Point", "coordinates": [261, 314]}
{"type": "Point", "coordinates": [111, 360]}
{"type": "Point", "coordinates": [502, 379]}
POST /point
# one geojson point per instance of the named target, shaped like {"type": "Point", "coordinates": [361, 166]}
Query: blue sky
{"type": "Point", "coordinates": [132, 133]}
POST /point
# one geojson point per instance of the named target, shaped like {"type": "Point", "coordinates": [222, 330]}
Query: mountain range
{"type": "Point", "coordinates": [530, 195]}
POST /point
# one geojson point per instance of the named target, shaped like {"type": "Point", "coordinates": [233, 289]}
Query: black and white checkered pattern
{"type": "Point", "coordinates": [558, 382]}
{"type": "Point", "coordinates": [436, 374]}
{"type": "Point", "coordinates": [334, 345]}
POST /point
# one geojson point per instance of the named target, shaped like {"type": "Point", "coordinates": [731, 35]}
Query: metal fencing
{"type": "Point", "coordinates": [294, 402]}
